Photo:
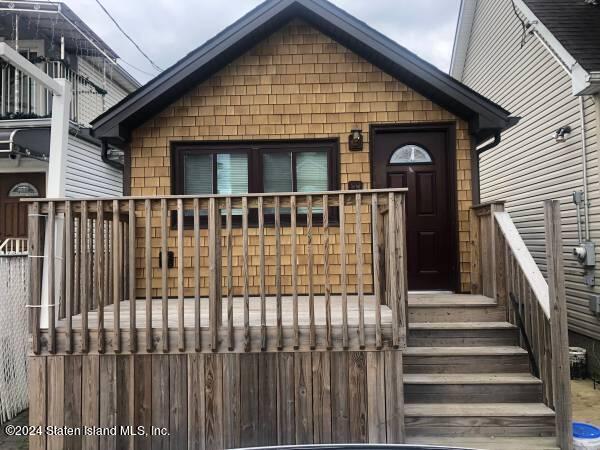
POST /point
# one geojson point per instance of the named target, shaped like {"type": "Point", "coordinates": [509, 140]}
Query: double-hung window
{"type": "Point", "coordinates": [254, 167]}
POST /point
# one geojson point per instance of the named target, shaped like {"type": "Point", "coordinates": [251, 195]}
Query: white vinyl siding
{"type": "Point", "coordinates": [529, 166]}
{"type": "Point", "coordinates": [87, 175]}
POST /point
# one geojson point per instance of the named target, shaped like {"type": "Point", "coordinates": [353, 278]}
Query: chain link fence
{"type": "Point", "coordinates": [14, 285]}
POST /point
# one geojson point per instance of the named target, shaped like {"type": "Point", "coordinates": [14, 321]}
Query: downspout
{"type": "Point", "coordinates": [106, 159]}
{"type": "Point", "coordinates": [584, 169]}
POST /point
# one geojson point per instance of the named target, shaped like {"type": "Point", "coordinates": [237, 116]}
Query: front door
{"type": "Point", "coordinates": [421, 159]}
{"type": "Point", "coordinates": [13, 213]}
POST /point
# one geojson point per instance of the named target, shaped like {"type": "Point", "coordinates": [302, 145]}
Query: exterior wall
{"type": "Point", "coordinates": [87, 175]}
{"type": "Point", "coordinates": [297, 84]}
{"type": "Point", "coordinates": [529, 166]}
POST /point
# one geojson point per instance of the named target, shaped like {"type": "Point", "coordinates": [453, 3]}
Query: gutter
{"type": "Point", "coordinates": [494, 143]}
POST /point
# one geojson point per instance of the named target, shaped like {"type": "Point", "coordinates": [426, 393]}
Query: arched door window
{"type": "Point", "coordinates": [410, 154]}
{"type": "Point", "coordinates": [23, 189]}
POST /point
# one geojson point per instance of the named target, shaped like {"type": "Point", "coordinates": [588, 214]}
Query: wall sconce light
{"type": "Point", "coordinates": [355, 140]}
{"type": "Point", "coordinates": [562, 133]}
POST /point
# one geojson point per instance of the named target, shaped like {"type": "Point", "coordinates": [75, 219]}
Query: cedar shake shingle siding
{"type": "Point", "coordinates": [296, 84]}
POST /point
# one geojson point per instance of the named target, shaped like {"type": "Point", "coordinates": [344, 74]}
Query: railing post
{"type": "Point", "coordinates": [400, 267]}
{"type": "Point", "coordinates": [498, 261]}
{"type": "Point", "coordinates": [483, 249]}
{"type": "Point", "coordinates": [475, 252]}
{"type": "Point", "coordinates": [558, 323]}
{"type": "Point", "coordinates": [214, 268]}
{"type": "Point", "coordinates": [35, 275]}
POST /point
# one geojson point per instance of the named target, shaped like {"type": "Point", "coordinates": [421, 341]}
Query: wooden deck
{"type": "Point", "coordinates": [238, 313]}
{"type": "Point", "coordinates": [234, 340]}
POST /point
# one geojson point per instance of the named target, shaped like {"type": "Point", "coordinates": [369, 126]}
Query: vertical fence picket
{"type": "Point", "coordinates": [344, 273]}
{"type": "Point", "coordinates": [148, 271]}
{"type": "Point", "coordinates": [132, 276]}
{"type": "Point", "coordinates": [278, 298]}
{"type": "Point", "coordinates": [197, 305]}
{"type": "Point", "coordinates": [311, 293]}
{"type": "Point", "coordinates": [294, 261]}
{"type": "Point", "coordinates": [117, 276]}
{"type": "Point", "coordinates": [261, 274]}
{"type": "Point", "coordinates": [99, 262]}
{"type": "Point", "coordinates": [180, 280]}
{"type": "Point", "coordinates": [326, 251]}
{"type": "Point", "coordinates": [164, 250]}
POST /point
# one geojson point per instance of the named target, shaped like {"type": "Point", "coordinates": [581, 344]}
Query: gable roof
{"type": "Point", "coordinates": [576, 24]}
{"type": "Point", "coordinates": [486, 118]}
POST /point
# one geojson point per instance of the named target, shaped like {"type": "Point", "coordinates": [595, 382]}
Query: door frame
{"type": "Point", "coordinates": [449, 128]}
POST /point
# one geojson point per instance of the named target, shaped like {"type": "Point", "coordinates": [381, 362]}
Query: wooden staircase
{"type": "Point", "coordinates": [467, 381]}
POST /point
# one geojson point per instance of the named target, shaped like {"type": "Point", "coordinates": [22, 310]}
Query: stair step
{"type": "Point", "coordinates": [453, 308]}
{"type": "Point", "coordinates": [462, 326]}
{"type": "Point", "coordinates": [487, 359]}
{"type": "Point", "coordinates": [477, 410]}
{"type": "Point", "coordinates": [464, 351]}
{"type": "Point", "coordinates": [488, 443]}
{"type": "Point", "coordinates": [472, 388]}
{"type": "Point", "coordinates": [479, 419]}
{"type": "Point", "coordinates": [452, 300]}
{"type": "Point", "coordinates": [453, 334]}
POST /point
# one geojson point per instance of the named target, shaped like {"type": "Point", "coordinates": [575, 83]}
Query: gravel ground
{"type": "Point", "coordinates": [586, 401]}
{"type": "Point", "coordinates": [14, 442]}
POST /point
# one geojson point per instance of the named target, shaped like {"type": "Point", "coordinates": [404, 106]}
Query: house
{"type": "Point", "coordinates": [541, 61]}
{"type": "Point", "coordinates": [55, 40]}
{"type": "Point", "coordinates": [299, 258]}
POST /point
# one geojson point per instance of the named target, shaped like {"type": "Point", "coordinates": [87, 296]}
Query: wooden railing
{"type": "Point", "coordinates": [315, 265]}
{"type": "Point", "coordinates": [503, 268]}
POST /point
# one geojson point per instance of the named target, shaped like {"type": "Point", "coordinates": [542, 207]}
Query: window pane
{"type": "Point", "coordinates": [311, 171]}
{"type": "Point", "coordinates": [410, 154]}
{"type": "Point", "coordinates": [277, 172]}
{"type": "Point", "coordinates": [311, 175]}
{"type": "Point", "coordinates": [232, 173]}
{"type": "Point", "coordinates": [198, 174]}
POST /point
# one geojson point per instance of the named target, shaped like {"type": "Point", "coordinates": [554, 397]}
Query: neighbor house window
{"type": "Point", "coordinates": [252, 167]}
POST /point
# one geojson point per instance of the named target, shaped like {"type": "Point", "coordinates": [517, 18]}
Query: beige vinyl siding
{"type": "Point", "coordinates": [529, 166]}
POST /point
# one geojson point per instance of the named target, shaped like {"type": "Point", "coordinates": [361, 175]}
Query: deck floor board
{"type": "Point", "coordinates": [238, 313]}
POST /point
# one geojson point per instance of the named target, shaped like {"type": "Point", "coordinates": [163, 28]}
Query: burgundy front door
{"type": "Point", "coordinates": [420, 159]}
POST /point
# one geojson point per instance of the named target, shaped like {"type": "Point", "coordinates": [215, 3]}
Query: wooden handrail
{"type": "Point", "coordinates": [169, 250]}
{"type": "Point", "coordinates": [530, 269]}
{"type": "Point", "coordinates": [537, 307]}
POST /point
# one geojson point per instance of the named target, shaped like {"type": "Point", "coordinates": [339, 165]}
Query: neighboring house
{"type": "Point", "coordinates": [541, 60]}
{"type": "Point", "coordinates": [291, 181]}
{"type": "Point", "coordinates": [53, 38]}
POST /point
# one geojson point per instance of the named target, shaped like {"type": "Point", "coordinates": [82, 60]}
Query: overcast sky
{"type": "Point", "coordinates": [168, 29]}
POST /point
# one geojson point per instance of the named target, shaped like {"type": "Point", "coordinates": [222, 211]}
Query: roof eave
{"type": "Point", "coordinates": [356, 35]}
